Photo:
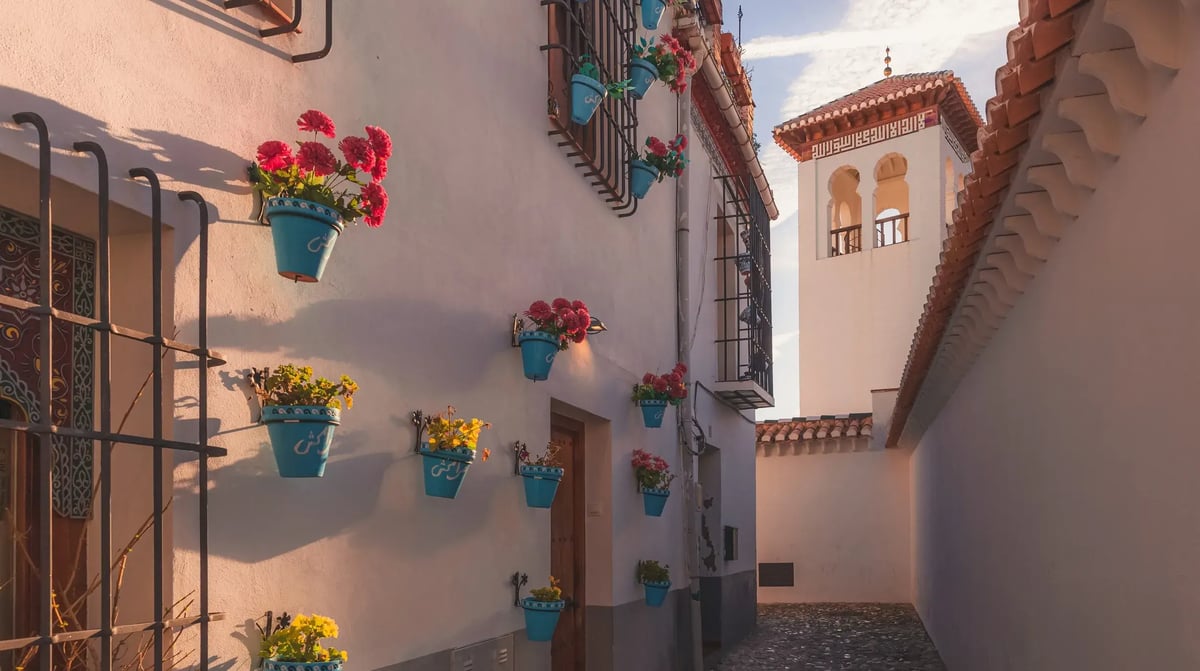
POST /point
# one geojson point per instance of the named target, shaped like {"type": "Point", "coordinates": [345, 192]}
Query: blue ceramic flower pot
{"type": "Point", "coordinates": [538, 350]}
{"type": "Point", "coordinates": [656, 592]}
{"type": "Point", "coordinates": [642, 177]}
{"type": "Point", "coordinates": [276, 665]}
{"type": "Point", "coordinates": [304, 234]}
{"type": "Point", "coordinates": [652, 412]}
{"type": "Point", "coordinates": [445, 470]}
{"type": "Point", "coordinates": [586, 96]}
{"type": "Point", "coordinates": [652, 11]}
{"type": "Point", "coordinates": [642, 74]}
{"type": "Point", "coordinates": [300, 437]}
{"type": "Point", "coordinates": [541, 483]}
{"type": "Point", "coordinates": [654, 501]}
{"type": "Point", "coordinates": [541, 617]}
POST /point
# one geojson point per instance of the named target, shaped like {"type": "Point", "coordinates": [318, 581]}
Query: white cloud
{"type": "Point", "coordinates": [923, 35]}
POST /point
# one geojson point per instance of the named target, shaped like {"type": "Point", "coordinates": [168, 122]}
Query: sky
{"type": "Point", "coordinates": [804, 53]}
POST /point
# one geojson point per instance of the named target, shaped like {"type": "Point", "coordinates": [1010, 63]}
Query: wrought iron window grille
{"type": "Point", "coordinates": [46, 632]}
{"type": "Point", "coordinates": [604, 30]}
{"type": "Point", "coordinates": [293, 26]}
{"type": "Point", "coordinates": [744, 341]}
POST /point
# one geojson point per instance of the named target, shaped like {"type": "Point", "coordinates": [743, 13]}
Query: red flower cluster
{"type": "Point", "coordinates": [305, 174]}
{"type": "Point", "coordinates": [569, 320]}
{"type": "Point", "coordinates": [651, 471]}
{"type": "Point", "coordinates": [685, 62]}
{"type": "Point", "coordinates": [667, 157]}
{"type": "Point", "coordinates": [669, 387]}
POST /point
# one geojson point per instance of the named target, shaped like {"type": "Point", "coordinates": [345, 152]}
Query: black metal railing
{"type": "Point", "coordinates": [293, 25]}
{"type": "Point", "coordinates": [845, 240]}
{"type": "Point", "coordinates": [604, 31]}
{"type": "Point", "coordinates": [44, 637]}
{"type": "Point", "coordinates": [891, 230]}
{"type": "Point", "coordinates": [744, 263]}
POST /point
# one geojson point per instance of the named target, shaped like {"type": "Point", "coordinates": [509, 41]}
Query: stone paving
{"type": "Point", "coordinates": [835, 637]}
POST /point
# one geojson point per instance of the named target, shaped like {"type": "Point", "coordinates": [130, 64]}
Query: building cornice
{"type": "Point", "coordinates": [1072, 95]}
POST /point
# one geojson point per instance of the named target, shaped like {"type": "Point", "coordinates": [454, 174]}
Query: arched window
{"type": "Point", "coordinates": [845, 212]}
{"type": "Point", "coordinates": [891, 200]}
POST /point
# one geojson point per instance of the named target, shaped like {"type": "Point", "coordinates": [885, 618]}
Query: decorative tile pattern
{"type": "Point", "coordinates": [73, 290]}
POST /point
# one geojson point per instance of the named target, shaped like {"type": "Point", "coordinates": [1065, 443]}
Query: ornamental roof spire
{"type": "Point", "coordinates": [887, 62]}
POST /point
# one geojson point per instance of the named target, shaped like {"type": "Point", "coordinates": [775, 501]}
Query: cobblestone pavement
{"type": "Point", "coordinates": [835, 637]}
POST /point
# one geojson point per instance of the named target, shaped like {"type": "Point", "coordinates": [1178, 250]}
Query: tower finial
{"type": "Point", "coordinates": [887, 62]}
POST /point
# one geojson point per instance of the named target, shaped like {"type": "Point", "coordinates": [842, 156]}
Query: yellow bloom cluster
{"type": "Point", "coordinates": [300, 641]}
{"type": "Point", "coordinates": [446, 432]}
{"type": "Point", "coordinates": [551, 593]}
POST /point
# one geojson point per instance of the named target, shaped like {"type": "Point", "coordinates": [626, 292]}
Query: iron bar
{"type": "Point", "coordinates": [891, 230]}
{"type": "Point", "coordinates": [745, 335]}
{"type": "Point", "coordinates": [324, 51]}
{"type": "Point", "coordinates": [202, 438]}
{"type": "Point", "coordinates": [100, 325]}
{"type": "Point", "coordinates": [120, 630]}
{"type": "Point", "coordinates": [156, 268]}
{"type": "Point", "coordinates": [54, 429]}
{"type": "Point", "coordinates": [845, 240]}
{"type": "Point", "coordinates": [45, 458]}
{"type": "Point", "coordinates": [105, 346]}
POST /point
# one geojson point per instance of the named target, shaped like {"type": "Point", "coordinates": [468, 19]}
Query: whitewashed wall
{"type": "Point", "coordinates": [487, 215]}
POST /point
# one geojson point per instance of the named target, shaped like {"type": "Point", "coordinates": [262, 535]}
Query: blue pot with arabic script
{"type": "Point", "coordinates": [276, 665]}
{"type": "Point", "coordinates": [656, 592]}
{"type": "Point", "coordinates": [641, 177]}
{"type": "Point", "coordinates": [300, 437]}
{"type": "Point", "coordinates": [586, 95]}
{"type": "Point", "coordinates": [304, 234]}
{"type": "Point", "coordinates": [652, 11]}
{"type": "Point", "coordinates": [541, 617]}
{"type": "Point", "coordinates": [541, 483]}
{"type": "Point", "coordinates": [642, 74]}
{"type": "Point", "coordinates": [653, 411]}
{"type": "Point", "coordinates": [445, 470]}
{"type": "Point", "coordinates": [538, 350]}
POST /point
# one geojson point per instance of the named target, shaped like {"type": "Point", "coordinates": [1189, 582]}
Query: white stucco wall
{"type": "Point", "coordinates": [842, 519]}
{"type": "Point", "coordinates": [487, 215]}
{"type": "Point", "coordinates": [1055, 500]}
{"type": "Point", "coordinates": [858, 311]}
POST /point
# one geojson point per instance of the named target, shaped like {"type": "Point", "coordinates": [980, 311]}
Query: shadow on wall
{"type": "Point", "coordinates": [206, 166]}
{"type": "Point", "coordinates": [363, 330]}
{"type": "Point", "coordinates": [212, 15]}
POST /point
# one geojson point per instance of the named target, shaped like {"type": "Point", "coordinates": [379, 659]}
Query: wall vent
{"type": "Point", "coordinates": [777, 575]}
{"type": "Point", "coordinates": [491, 655]}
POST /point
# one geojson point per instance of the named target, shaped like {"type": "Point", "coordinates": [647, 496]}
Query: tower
{"type": "Point", "coordinates": [878, 171]}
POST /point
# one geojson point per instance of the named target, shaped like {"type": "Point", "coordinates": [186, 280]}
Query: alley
{"type": "Point", "coordinates": [835, 637]}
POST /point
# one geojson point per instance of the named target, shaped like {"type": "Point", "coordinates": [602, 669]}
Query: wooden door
{"type": "Point", "coordinates": [567, 650]}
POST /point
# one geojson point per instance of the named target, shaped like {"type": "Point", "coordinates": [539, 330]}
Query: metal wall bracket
{"type": "Point", "coordinates": [518, 325]}
{"type": "Point", "coordinates": [518, 581]}
{"type": "Point", "coordinates": [294, 26]}
{"type": "Point", "coordinates": [518, 448]}
{"type": "Point", "coordinates": [421, 421]}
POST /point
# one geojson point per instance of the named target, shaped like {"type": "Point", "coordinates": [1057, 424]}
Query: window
{"type": "Point", "coordinates": [845, 212]}
{"type": "Point", "coordinates": [744, 277]}
{"type": "Point", "coordinates": [604, 32]}
{"type": "Point", "coordinates": [891, 200]}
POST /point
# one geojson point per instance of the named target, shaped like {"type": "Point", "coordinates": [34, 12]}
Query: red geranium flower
{"type": "Point", "coordinates": [317, 122]}
{"type": "Point", "coordinates": [375, 201]}
{"type": "Point", "coordinates": [274, 155]}
{"type": "Point", "coordinates": [540, 311]}
{"type": "Point", "coordinates": [648, 378]}
{"type": "Point", "coordinates": [561, 304]}
{"type": "Point", "coordinates": [379, 170]}
{"type": "Point", "coordinates": [381, 142]}
{"type": "Point", "coordinates": [357, 151]}
{"type": "Point", "coordinates": [316, 158]}
{"type": "Point", "coordinates": [659, 384]}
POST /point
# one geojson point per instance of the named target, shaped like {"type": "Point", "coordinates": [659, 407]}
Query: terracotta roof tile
{"type": "Point", "coordinates": [1046, 27]}
{"type": "Point", "coordinates": [813, 428]}
{"type": "Point", "coordinates": [889, 97]}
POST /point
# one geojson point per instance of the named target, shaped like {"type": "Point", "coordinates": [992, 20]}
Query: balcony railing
{"type": "Point", "coordinates": [891, 230]}
{"type": "Point", "coordinates": [745, 371]}
{"type": "Point", "coordinates": [845, 240]}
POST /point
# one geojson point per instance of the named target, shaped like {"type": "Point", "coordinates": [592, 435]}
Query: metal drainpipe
{"type": "Point", "coordinates": [691, 538]}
